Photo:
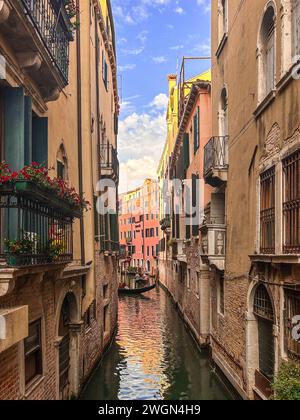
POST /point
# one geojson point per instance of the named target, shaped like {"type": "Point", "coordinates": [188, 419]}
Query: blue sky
{"type": "Point", "coordinates": [152, 37]}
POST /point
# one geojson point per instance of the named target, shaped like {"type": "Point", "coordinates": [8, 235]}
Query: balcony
{"type": "Point", "coordinates": [110, 248]}
{"type": "Point", "coordinates": [216, 161]}
{"type": "Point", "coordinates": [181, 251]}
{"type": "Point", "coordinates": [166, 225]}
{"type": "Point", "coordinates": [213, 246]}
{"type": "Point", "coordinates": [36, 227]}
{"type": "Point", "coordinates": [109, 163]}
{"type": "Point", "coordinates": [38, 33]}
{"type": "Point", "coordinates": [13, 326]}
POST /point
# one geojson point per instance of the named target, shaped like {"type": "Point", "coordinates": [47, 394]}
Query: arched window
{"type": "Point", "coordinates": [62, 163]}
{"type": "Point", "coordinates": [223, 19]}
{"type": "Point", "coordinates": [296, 27]}
{"type": "Point", "coordinates": [223, 113]}
{"type": "Point", "coordinates": [266, 54]}
{"type": "Point", "coordinates": [263, 310]}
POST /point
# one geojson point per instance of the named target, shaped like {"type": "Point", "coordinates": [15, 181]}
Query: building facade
{"type": "Point", "coordinates": [253, 165]}
{"type": "Point", "coordinates": [59, 107]}
{"type": "Point", "coordinates": [139, 228]}
{"type": "Point", "coordinates": [183, 198]}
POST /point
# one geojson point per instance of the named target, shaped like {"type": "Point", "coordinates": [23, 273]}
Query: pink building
{"type": "Point", "coordinates": [139, 227]}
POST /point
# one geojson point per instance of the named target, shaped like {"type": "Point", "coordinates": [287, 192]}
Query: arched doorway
{"type": "Point", "coordinates": [68, 355]}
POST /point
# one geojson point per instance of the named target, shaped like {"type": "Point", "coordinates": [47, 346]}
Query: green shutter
{"type": "Point", "coordinates": [28, 129]}
{"type": "Point", "coordinates": [186, 150]}
{"type": "Point", "coordinates": [14, 134]}
{"type": "Point", "coordinates": [197, 130]}
{"type": "Point", "coordinates": [40, 140]}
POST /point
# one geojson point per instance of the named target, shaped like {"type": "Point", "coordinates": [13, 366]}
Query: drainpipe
{"type": "Point", "coordinates": [79, 127]}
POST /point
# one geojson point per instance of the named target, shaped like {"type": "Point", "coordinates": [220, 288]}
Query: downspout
{"type": "Point", "coordinates": [79, 128]}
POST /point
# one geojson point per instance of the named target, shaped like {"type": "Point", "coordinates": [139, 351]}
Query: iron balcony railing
{"type": "Point", "coordinates": [51, 21]}
{"type": "Point", "coordinates": [33, 231]}
{"type": "Point", "coordinates": [109, 163]}
{"type": "Point", "coordinates": [216, 154]}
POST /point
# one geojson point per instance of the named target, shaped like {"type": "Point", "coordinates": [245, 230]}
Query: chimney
{"type": "Point", "coordinates": [172, 80]}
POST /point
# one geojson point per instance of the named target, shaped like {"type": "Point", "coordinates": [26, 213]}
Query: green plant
{"type": "Point", "coordinates": [54, 249]}
{"type": "Point", "coordinates": [287, 384]}
{"type": "Point", "coordinates": [19, 247]}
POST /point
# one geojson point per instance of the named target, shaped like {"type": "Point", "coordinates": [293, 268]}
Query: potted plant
{"type": "Point", "coordinates": [34, 180]}
{"type": "Point", "coordinates": [53, 250]}
{"type": "Point", "coordinates": [17, 250]}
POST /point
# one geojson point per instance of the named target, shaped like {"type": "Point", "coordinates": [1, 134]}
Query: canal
{"type": "Point", "coordinates": [153, 357]}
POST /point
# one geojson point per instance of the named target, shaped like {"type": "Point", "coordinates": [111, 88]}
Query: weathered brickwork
{"type": "Point", "coordinates": [94, 338]}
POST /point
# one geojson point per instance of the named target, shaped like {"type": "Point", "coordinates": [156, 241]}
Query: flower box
{"type": "Point", "coordinates": [31, 190]}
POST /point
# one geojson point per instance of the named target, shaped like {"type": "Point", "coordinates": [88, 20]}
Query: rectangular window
{"type": "Point", "coordinates": [291, 205]}
{"type": "Point", "coordinates": [188, 279]}
{"type": "Point", "coordinates": [267, 212]}
{"type": "Point", "coordinates": [292, 310]}
{"type": "Point", "coordinates": [33, 352]}
{"type": "Point", "coordinates": [104, 70]}
{"type": "Point", "coordinates": [197, 290]}
{"type": "Point", "coordinates": [197, 130]}
{"type": "Point", "coordinates": [221, 295]}
{"type": "Point", "coordinates": [296, 27]}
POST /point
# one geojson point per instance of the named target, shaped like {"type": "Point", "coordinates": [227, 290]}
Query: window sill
{"type": "Point", "coordinates": [287, 78]}
{"type": "Point", "coordinates": [265, 104]}
{"type": "Point", "coordinates": [276, 259]}
{"type": "Point", "coordinates": [222, 44]}
{"type": "Point", "coordinates": [33, 385]}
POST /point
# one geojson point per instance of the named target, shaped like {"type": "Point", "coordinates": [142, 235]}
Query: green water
{"type": "Point", "coordinates": [154, 357]}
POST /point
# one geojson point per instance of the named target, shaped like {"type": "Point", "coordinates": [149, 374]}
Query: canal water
{"type": "Point", "coordinates": [153, 357]}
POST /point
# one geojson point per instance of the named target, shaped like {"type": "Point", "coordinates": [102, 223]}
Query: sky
{"type": "Point", "coordinates": [152, 37]}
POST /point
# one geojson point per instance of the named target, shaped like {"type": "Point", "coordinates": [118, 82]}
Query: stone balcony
{"type": "Point", "coordinates": [181, 251]}
{"type": "Point", "coordinates": [216, 161]}
{"type": "Point", "coordinates": [213, 245]}
{"type": "Point", "coordinates": [36, 36]}
{"type": "Point", "coordinates": [13, 326]}
{"type": "Point", "coordinates": [109, 163]}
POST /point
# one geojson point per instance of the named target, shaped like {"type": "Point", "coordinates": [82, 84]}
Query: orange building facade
{"type": "Point", "coordinates": [139, 228]}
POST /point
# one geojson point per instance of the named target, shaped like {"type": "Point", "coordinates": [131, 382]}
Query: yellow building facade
{"type": "Point", "coordinates": [59, 108]}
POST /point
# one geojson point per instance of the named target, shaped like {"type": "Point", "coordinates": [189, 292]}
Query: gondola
{"type": "Point", "coordinates": [136, 291]}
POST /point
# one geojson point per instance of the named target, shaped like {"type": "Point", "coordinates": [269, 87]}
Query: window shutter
{"type": "Point", "coordinates": [296, 19]}
{"type": "Point", "coordinates": [14, 122]}
{"type": "Point", "coordinates": [186, 150]}
{"type": "Point", "coordinates": [40, 140]}
{"type": "Point", "coordinates": [270, 64]}
{"type": "Point", "coordinates": [28, 130]}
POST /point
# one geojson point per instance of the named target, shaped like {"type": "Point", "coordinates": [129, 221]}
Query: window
{"type": "Point", "coordinates": [197, 289]}
{"type": "Point", "coordinates": [292, 310]}
{"type": "Point", "coordinates": [62, 163]}
{"type": "Point", "coordinates": [223, 113]}
{"type": "Point", "coordinates": [267, 212]}
{"type": "Point", "coordinates": [266, 54]}
{"type": "Point", "coordinates": [296, 26]}
{"type": "Point", "coordinates": [223, 19]}
{"type": "Point", "coordinates": [33, 352]}
{"type": "Point", "coordinates": [188, 279]}
{"type": "Point", "coordinates": [197, 130]}
{"type": "Point", "coordinates": [104, 70]}
{"type": "Point", "coordinates": [291, 205]}
{"type": "Point", "coordinates": [263, 310]}
{"type": "Point", "coordinates": [221, 295]}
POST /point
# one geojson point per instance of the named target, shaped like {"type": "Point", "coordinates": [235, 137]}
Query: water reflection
{"type": "Point", "coordinates": [154, 357]}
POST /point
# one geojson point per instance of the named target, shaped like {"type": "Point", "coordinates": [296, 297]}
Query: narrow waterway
{"type": "Point", "coordinates": [154, 358]}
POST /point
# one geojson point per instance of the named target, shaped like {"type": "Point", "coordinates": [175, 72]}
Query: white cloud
{"type": "Point", "coordinates": [205, 5]}
{"type": "Point", "coordinates": [177, 47]}
{"type": "Point", "coordinates": [179, 10]}
{"type": "Point", "coordinates": [159, 60]}
{"type": "Point", "coordinates": [141, 140]}
{"type": "Point", "coordinates": [160, 102]}
{"type": "Point", "coordinates": [126, 67]}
